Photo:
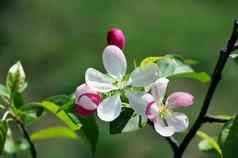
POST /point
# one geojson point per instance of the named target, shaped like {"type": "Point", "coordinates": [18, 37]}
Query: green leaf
{"type": "Point", "coordinates": [200, 76]}
{"type": "Point", "coordinates": [4, 92]}
{"type": "Point", "coordinates": [128, 121]}
{"type": "Point", "coordinates": [3, 134]}
{"type": "Point", "coordinates": [64, 101]}
{"type": "Point", "coordinates": [234, 57]}
{"type": "Point", "coordinates": [18, 100]}
{"type": "Point", "coordinates": [31, 112]}
{"type": "Point", "coordinates": [205, 146]}
{"type": "Point", "coordinates": [16, 78]}
{"type": "Point", "coordinates": [229, 138]}
{"type": "Point", "coordinates": [211, 141]}
{"type": "Point", "coordinates": [54, 132]}
{"type": "Point", "coordinates": [89, 130]}
{"type": "Point", "coordinates": [62, 115]}
{"type": "Point", "coordinates": [150, 60]}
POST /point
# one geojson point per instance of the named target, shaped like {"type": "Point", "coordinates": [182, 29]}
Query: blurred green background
{"type": "Point", "coordinates": [56, 40]}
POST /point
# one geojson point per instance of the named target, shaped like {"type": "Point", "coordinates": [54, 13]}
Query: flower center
{"type": "Point", "coordinates": [121, 84]}
{"type": "Point", "coordinates": [164, 111]}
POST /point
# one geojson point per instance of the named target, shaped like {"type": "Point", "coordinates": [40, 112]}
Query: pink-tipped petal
{"type": "Point", "coordinates": [83, 111]}
{"type": "Point", "coordinates": [87, 100]}
{"type": "Point", "coordinates": [180, 99]}
{"type": "Point", "coordinates": [152, 111]}
{"type": "Point", "coordinates": [116, 37]}
{"type": "Point", "coordinates": [138, 101]}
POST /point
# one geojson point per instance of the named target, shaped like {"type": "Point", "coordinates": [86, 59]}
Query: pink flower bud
{"type": "Point", "coordinates": [87, 100]}
{"type": "Point", "coordinates": [116, 37]}
{"type": "Point", "coordinates": [180, 99]}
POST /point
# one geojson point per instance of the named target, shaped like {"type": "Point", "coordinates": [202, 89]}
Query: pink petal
{"type": "Point", "coordinates": [152, 111]}
{"type": "Point", "coordinates": [87, 100]}
{"type": "Point", "coordinates": [83, 111]}
{"type": "Point", "coordinates": [180, 99]}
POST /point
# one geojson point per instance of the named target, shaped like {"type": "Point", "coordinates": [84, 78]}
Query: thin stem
{"type": "Point", "coordinates": [173, 143]}
{"type": "Point", "coordinates": [28, 138]}
{"type": "Point", "coordinates": [216, 77]}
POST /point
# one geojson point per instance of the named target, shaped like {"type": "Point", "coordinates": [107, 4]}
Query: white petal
{"type": "Point", "coordinates": [98, 81]}
{"type": "Point", "coordinates": [139, 101]}
{"type": "Point", "coordinates": [114, 61]}
{"type": "Point", "coordinates": [110, 108]}
{"type": "Point", "coordinates": [179, 121]}
{"type": "Point", "coordinates": [158, 89]}
{"type": "Point", "coordinates": [162, 129]}
{"type": "Point", "coordinates": [145, 75]}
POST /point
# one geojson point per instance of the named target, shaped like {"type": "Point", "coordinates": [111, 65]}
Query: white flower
{"type": "Point", "coordinates": [166, 122]}
{"type": "Point", "coordinates": [115, 63]}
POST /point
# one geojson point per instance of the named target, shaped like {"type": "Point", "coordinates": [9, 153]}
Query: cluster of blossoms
{"type": "Point", "coordinates": [143, 88]}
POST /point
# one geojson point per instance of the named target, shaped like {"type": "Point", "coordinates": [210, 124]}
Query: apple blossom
{"type": "Point", "coordinates": [115, 63]}
{"type": "Point", "coordinates": [87, 100]}
{"type": "Point", "coordinates": [166, 121]}
{"type": "Point", "coordinates": [116, 37]}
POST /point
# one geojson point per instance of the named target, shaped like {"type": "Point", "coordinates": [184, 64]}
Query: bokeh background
{"type": "Point", "coordinates": [56, 40]}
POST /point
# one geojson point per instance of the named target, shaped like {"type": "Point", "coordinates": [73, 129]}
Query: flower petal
{"type": "Point", "coordinates": [98, 81]}
{"type": "Point", "coordinates": [83, 112]}
{"type": "Point", "coordinates": [84, 88]}
{"type": "Point", "coordinates": [178, 120]}
{"type": "Point", "coordinates": [180, 99]}
{"type": "Point", "coordinates": [139, 101]}
{"type": "Point", "coordinates": [162, 129]}
{"type": "Point", "coordinates": [110, 108]}
{"type": "Point", "coordinates": [144, 75]}
{"type": "Point", "coordinates": [152, 111]}
{"type": "Point", "coordinates": [114, 61]}
{"type": "Point", "coordinates": [159, 88]}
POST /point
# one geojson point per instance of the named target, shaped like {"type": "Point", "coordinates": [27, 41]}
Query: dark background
{"type": "Point", "coordinates": [56, 40]}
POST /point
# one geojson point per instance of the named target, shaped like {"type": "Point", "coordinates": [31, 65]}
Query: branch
{"type": "Point", "coordinates": [28, 138]}
{"type": "Point", "coordinates": [216, 77]}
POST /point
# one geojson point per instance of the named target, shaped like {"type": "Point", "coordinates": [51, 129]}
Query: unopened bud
{"type": "Point", "coordinates": [116, 37]}
{"type": "Point", "coordinates": [87, 100]}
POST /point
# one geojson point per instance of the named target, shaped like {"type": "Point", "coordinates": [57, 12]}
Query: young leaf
{"type": "Point", "coordinates": [16, 78]}
{"type": "Point", "coordinates": [54, 132]}
{"type": "Point", "coordinates": [200, 76]}
{"type": "Point", "coordinates": [150, 60]}
{"type": "Point", "coordinates": [127, 121]}
{"type": "Point", "coordinates": [204, 145]}
{"type": "Point", "coordinates": [3, 91]}
{"type": "Point", "coordinates": [211, 141]}
{"type": "Point", "coordinates": [64, 101]}
{"type": "Point", "coordinates": [229, 138]}
{"type": "Point", "coordinates": [31, 112]}
{"type": "Point", "coordinates": [18, 100]}
{"type": "Point", "coordinates": [3, 134]}
{"type": "Point", "coordinates": [89, 130]}
{"type": "Point", "coordinates": [62, 115]}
